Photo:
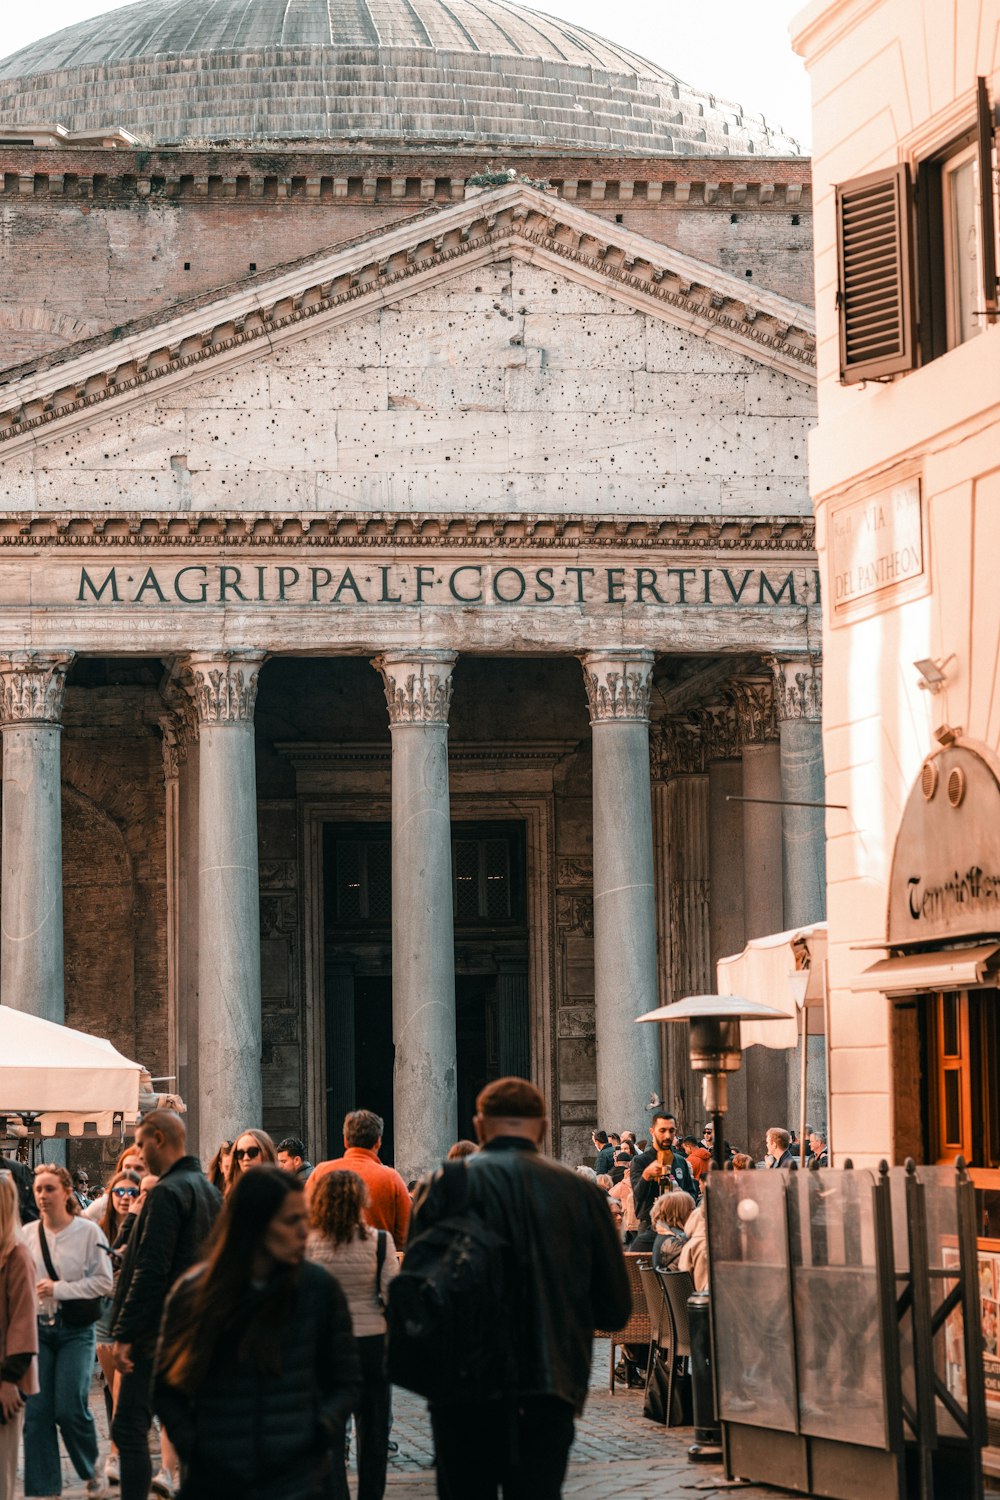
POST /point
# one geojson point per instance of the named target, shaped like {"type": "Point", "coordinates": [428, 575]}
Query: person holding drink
{"type": "Point", "coordinates": [72, 1268]}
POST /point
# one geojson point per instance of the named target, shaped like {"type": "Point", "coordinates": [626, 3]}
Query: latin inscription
{"type": "Point", "coordinates": [876, 543]}
{"type": "Point", "coordinates": [469, 585]}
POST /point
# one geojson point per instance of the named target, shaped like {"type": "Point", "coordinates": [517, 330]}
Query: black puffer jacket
{"type": "Point", "coordinates": [258, 1433]}
{"type": "Point", "coordinates": [572, 1276]}
{"type": "Point", "coordinates": [174, 1224]}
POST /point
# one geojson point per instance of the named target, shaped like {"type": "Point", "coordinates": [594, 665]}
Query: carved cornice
{"type": "Point", "coordinates": [753, 699]}
{"type": "Point", "coordinates": [618, 685]}
{"type": "Point", "coordinates": [417, 686]}
{"type": "Point", "coordinates": [32, 686]}
{"type": "Point", "coordinates": [223, 685]}
{"type": "Point", "coordinates": [383, 529]}
{"type": "Point", "coordinates": [799, 687]}
{"type": "Point", "coordinates": [517, 220]}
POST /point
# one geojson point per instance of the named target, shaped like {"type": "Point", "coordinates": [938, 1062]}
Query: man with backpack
{"type": "Point", "coordinates": [513, 1260]}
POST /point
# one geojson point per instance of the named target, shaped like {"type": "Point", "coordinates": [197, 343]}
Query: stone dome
{"type": "Point", "coordinates": [459, 72]}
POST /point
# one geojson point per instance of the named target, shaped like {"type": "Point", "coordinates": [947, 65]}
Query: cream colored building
{"type": "Point", "coordinates": [905, 474]}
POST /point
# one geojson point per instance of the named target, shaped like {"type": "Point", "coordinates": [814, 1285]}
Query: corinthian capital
{"type": "Point", "coordinates": [753, 698]}
{"type": "Point", "coordinates": [417, 685]}
{"type": "Point", "coordinates": [223, 685]}
{"type": "Point", "coordinates": [798, 683]}
{"type": "Point", "coordinates": [32, 684]}
{"type": "Point", "coordinates": [618, 684]}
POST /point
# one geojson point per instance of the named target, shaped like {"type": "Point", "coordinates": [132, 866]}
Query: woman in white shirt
{"type": "Point", "coordinates": [364, 1261]}
{"type": "Point", "coordinates": [77, 1251]}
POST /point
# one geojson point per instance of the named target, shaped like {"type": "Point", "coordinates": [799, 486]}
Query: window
{"type": "Point", "coordinates": [917, 262]}
{"type": "Point", "coordinates": [963, 1087]}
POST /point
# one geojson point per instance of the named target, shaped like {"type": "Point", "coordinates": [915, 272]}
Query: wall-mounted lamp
{"type": "Point", "coordinates": [715, 1046]}
{"type": "Point", "coordinates": [932, 674]}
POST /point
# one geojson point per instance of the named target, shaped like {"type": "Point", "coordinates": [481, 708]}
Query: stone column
{"type": "Point", "coordinates": [681, 845]}
{"type": "Point", "coordinates": [223, 685]}
{"type": "Point", "coordinates": [425, 1095]}
{"type": "Point", "coordinates": [180, 766]}
{"type": "Point", "coordinates": [31, 905]}
{"type": "Point", "coordinates": [618, 689]}
{"type": "Point", "coordinates": [799, 694]}
{"type": "Point", "coordinates": [798, 688]}
{"type": "Point", "coordinates": [761, 1089]}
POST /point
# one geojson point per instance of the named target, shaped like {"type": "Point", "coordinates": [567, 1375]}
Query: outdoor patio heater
{"type": "Point", "coordinates": [716, 1049]}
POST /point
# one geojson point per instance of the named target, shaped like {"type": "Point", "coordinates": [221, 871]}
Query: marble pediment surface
{"type": "Point", "coordinates": [512, 353]}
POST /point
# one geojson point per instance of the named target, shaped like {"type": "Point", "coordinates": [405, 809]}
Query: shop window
{"type": "Point", "coordinates": [963, 1060]}
{"type": "Point", "coordinates": [916, 260]}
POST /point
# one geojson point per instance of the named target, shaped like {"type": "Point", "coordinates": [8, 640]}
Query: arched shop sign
{"type": "Point", "coordinates": [945, 882]}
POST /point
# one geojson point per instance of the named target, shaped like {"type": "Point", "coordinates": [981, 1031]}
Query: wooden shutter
{"type": "Point", "coordinates": [987, 223]}
{"type": "Point", "coordinates": [875, 276]}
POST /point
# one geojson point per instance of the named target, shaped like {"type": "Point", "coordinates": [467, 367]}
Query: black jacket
{"type": "Point", "coordinates": [645, 1193]}
{"type": "Point", "coordinates": [571, 1274]}
{"type": "Point", "coordinates": [173, 1226]}
{"type": "Point", "coordinates": [255, 1432]}
{"type": "Point", "coordinates": [605, 1159]}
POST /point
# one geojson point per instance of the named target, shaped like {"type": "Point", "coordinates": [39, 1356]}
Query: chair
{"type": "Point", "coordinates": [677, 1288]}
{"type": "Point", "coordinates": [638, 1329]}
{"type": "Point", "coordinates": [659, 1318]}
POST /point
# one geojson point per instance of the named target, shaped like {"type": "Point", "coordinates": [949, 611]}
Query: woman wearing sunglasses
{"type": "Point", "coordinates": [253, 1148]}
{"type": "Point", "coordinates": [120, 1198]}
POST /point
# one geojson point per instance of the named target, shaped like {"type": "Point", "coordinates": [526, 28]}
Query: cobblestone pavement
{"type": "Point", "coordinates": [617, 1454]}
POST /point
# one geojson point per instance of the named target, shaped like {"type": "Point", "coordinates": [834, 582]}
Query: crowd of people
{"type": "Point", "coordinates": [654, 1185]}
{"type": "Point", "coordinates": [241, 1310]}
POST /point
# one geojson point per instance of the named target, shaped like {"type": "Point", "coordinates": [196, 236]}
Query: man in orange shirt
{"type": "Point", "coordinates": [388, 1201]}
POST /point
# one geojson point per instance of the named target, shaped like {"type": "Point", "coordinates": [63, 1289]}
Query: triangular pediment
{"type": "Point", "coordinates": [518, 223]}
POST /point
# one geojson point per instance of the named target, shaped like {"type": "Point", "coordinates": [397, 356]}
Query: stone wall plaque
{"type": "Point", "coordinates": [876, 545]}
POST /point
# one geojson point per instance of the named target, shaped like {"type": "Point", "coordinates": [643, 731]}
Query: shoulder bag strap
{"type": "Point", "coordinates": [44, 1247]}
{"type": "Point", "coordinates": [379, 1265]}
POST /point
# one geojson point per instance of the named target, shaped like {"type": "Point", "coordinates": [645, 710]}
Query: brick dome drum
{"type": "Point", "coordinates": [477, 72]}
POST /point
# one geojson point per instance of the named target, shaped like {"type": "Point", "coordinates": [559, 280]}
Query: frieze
{"type": "Point", "coordinates": [32, 687]}
{"type": "Point", "coordinates": [507, 219]}
{"type": "Point", "coordinates": [574, 873]}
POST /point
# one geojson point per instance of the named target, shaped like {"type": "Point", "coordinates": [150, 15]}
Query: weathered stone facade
{"type": "Point", "coordinates": [297, 415]}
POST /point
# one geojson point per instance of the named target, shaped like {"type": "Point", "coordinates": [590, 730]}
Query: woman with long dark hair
{"type": "Point", "coordinates": [253, 1148]}
{"type": "Point", "coordinates": [257, 1369]}
{"type": "Point", "coordinates": [364, 1261]}
{"type": "Point", "coordinates": [218, 1167]}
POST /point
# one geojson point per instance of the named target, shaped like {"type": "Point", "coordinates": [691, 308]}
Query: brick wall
{"type": "Point", "coordinates": [90, 240]}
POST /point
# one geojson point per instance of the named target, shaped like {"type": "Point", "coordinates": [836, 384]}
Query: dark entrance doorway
{"type": "Point", "coordinates": [491, 963]}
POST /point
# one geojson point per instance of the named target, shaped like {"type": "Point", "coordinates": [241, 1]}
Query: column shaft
{"type": "Point", "coordinates": [31, 904]}
{"type": "Point", "coordinates": [625, 985]}
{"type": "Point", "coordinates": [229, 1019]}
{"type": "Point", "coordinates": [425, 1094]}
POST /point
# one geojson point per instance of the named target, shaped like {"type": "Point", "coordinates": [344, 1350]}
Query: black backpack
{"type": "Point", "coordinates": [450, 1317]}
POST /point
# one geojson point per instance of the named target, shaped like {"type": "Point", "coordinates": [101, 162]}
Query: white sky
{"type": "Point", "coordinates": [737, 49]}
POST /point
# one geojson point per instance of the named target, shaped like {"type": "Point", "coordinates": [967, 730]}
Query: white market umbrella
{"type": "Point", "coordinates": [46, 1068]}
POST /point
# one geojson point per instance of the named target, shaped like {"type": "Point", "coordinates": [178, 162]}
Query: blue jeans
{"type": "Point", "coordinates": [65, 1367]}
